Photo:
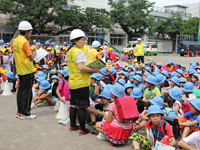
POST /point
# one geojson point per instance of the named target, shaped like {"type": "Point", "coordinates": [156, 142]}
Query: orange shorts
{"type": "Point", "coordinates": [192, 128]}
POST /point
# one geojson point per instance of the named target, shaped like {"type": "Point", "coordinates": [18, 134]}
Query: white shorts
{"type": "Point", "coordinates": [193, 139]}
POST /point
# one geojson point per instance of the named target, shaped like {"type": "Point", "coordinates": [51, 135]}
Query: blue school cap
{"type": "Point", "coordinates": [44, 85]}
{"type": "Point", "coordinates": [40, 79]}
{"type": "Point", "coordinates": [138, 73]}
{"type": "Point", "coordinates": [196, 103]}
{"type": "Point", "coordinates": [38, 43]}
{"type": "Point", "coordinates": [34, 41]}
{"type": "Point", "coordinates": [147, 68]}
{"type": "Point", "coordinates": [112, 70]}
{"type": "Point", "coordinates": [9, 74]}
{"type": "Point", "coordinates": [193, 66]}
{"type": "Point", "coordinates": [52, 43]}
{"type": "Point", "coordinates": [136, 93]}
{"type": "Point", "coordinates": [157, 101]}
{"type": "Point", "coordinates": [151, 79]}
{"type": "Point", "coordinates": [154, 109]}
{"type": "Point", "coordinates": [94, 76]}
{"type": "Point", "coordinates": [45, 67]}
{"type": "Point", "coordinates": [137, 66]}
{"type": "Point", "coordinates": [8, 43]}
{"type": "Point", "coordinates": [1, 41]}
{"type": "Point", "coordinates": [146, 74]}
{"type": "Point", "coordinates": [131, 75]}
{"type": "Point", "coordinates": [175, 80]}
{"type": "Point", "coordinates": [182, 80]}
{"type": "Point", "coordinates": [61, 72]}
{"type": "Point", "coordinates": [54, 77]}
{"type": "Point", "coordinates": [159, 64]}
{"type": "Point", "coordinates": [173, 74]}
{"type": "Point", "coordinates": [120, 72]}
{"type": "Point", "coordinates": [179, 71]}
{"type": "Point", "coordinates": [175, 93]}
{"type": "Point", "coordinates": [170, 62]}
{"type": "Point", "coordinates": [157, 70]}
{"type": "Point", "coordinates": [98, 76]}
{"type": "Point", "coordinates": [117, 90]}
{"type": "Point", "coordinates": [188, 87]}
{"type": "Point", "coordinates": [46, 43]}
{"type": "Point", "coordinates": [149, 62]}
{"type": "Point", "coordinates": [130, 67]}
{"type": "Point", "coordinates": [122, 81]}
{"type": "Point", "coordinates": [137, 77]}
{"type": "Point", "coordinates": [123, 67]}
{"type": "Point", "coordinates": [196, 75]}
{"type": "Point", "coordinates": [103, 71]}
{"type": "Point", "coordinates": [160, 79]}
{"type": "Point", "coordinates": [40, 74]}
{"type": "Point", "coordinates": [155, 73]}
{"type": "Point", "coordinates": [66, 72]}
{"type": "Point", "coordinates": [117, 54]}
{"type": "Point", "coordinates": [107, 87]}
{"type": "Point", "coordinates": [65, 43]}
{"type": "Point", "coordinates": [184, 66]}
{"type": "Point", "coordinates": [105, 94]}
{"type": "Point", "coordinates": [128, 85]}
{"type": "Point", "coordinates": [124, 73]}
{"type": "Point", "coordinates": [191, 71]}
{"type": "Point", "coordinates": [165, 73]}
{"type": "Point", "coordinates": [192, 63]}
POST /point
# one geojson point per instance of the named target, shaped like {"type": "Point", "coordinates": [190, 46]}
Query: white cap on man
{"type": "Point", "coordinates": [139, 39]}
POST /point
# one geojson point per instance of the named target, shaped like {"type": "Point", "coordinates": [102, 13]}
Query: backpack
{"type": "Point", "coordinates": [170, 112]}
{"type": "Point", "coordinates": [55, 85]}
{"type": "Point", "coordinates": [185, 106]}
{"type": "Point", "coordinates": [112, 56]}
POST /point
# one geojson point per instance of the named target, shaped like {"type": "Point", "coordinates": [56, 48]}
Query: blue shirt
{"type": "Point", "coordinates": [191, 116]}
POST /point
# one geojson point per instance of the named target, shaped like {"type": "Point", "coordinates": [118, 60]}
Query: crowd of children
{"type": "Point", "coordinates": [159, 90]}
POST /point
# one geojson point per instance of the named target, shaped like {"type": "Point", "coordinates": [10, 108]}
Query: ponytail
{"type": "Point", "coordinates": [73, 43]}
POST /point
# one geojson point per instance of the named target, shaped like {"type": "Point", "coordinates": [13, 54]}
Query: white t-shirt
{"type": "Point", "coordinates": [193, 139]}
{"type": "Point", "coordinates": [180, 111]}
{"type": "Point", "coordinates": [191, 97]}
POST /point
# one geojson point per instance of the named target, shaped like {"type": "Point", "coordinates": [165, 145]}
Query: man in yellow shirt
{"type": "Point", "coordinates": [139, 50]}
{"type": "Point", "coordinates": [24, 64]}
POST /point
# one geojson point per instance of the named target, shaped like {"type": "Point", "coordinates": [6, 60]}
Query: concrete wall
{"type": "Point", "coordinates": [165, 46]}
{"type": "Point", "coordinates": [194, 9]}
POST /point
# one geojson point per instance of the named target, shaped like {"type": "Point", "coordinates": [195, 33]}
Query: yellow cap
{"type": "Point", "coordinates": [141, 65]}
{"type": "Point", "coordinates": [125, 64]}
{"type": "Point", "coordinates": [3, 50]}
{"type": "Point", "coordinates": [135, 60]}
{"type": "Point", "coordinates": [130, 50]}
{"type": "Point", "coordinates": [53, 70]}
{"type": "Point", "coordinates": [5, 71]}
{"type": "Point", "coordinates": [117, 57]}
{"type": "Point", "coordinates": [33, 48]}
{"type": "Point", "coordinates": [101, 47]}
{"type": "Point", "coordinates": [109, 49]}
{"type": "Point", "coordinates": [51, 62]}
{"type": "Point", "coordinates": [52, 51]}
{"type": "Point", "coordinates": [136, 64]}
{"type": "Point", "coordinates": [150, 59]}
{"type": "Point", "coordinates": [125, 52]}
{"type": "Point", "coordinates": [49, 48]}
{"type": "Point", "coordinates": [115, 63]}
{"type": "Point", "coordinates": [9, 49]}
{"type": "Point", "coordinates": [37, 65]}
{"type": "Point", "coordinates": [101, 52]}
{"type": "Point", "coordinates": [64, 67]}
{"type": "Point", "coordinates": [57, 52]}
{"type": "Point", "coordinates": [35, 69]}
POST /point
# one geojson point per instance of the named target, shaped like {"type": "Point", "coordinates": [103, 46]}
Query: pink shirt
{"type": "Point", "coordinates": [116, 123]}
{"type": "Point", "coordinates": [64, 90]}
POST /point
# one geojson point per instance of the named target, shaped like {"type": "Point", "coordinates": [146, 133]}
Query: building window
{"type": "Point", "coordinates": [117, 39]}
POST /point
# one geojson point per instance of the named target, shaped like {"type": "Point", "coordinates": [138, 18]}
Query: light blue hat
{"type": "Point", "coordinates": [157, 101]}
{"type": "Point", "coordinates": [170, 62]}
{"type": "Point", "coordinates": [157, 70]}
{"type": "Point", "coordinates": [123, 67]}
{"type": "Point", "coordinates": [103, 71]}
{"type": "Point", "coordinates": [9, 74]}
{"type": "Point", "coordinates": [66, 72]}
{"type": "Point", "coordinates": [16, 76]}
{"type": "Point", "coordinates": [40, 74]}
{"type": "Point", "coordinates": [94, 76]}
{"type": "Point", "coordinates": [40, 79]}
{"type": "Point", "coordinates": [61, 72]}
{"type": "Point", "coordinates": [138, 73]}
{"type": "Point", "coordinates": [196, 103]}
{"type": "Point", "coordinates": [154, 109]}
{"type": "Point", "coordinates": [180, 71]}
{"type": "Point", "coordinates": [130, 67]}
{"type": "Point", "coordinates": [44, 85]}
{"type": "Point", "coordinates": [184, 66]}
{"type": "Point", "coordinates": [120, 72]}
{"type": "Point", "coordinates": [117, 90]}
{"type": "Point", "coordinates": [155, 73]}
{"type": "Point", "coordinates": [151, 79]}
{"type": "Point", "coordinates": [175, 93]}
{"type": "Point", "coordinates": [34, 41]}
{"type": "Point", "coordinates": [175, 80]}
{"type": "Point", "coordinates": [122, 81]}
{"type": "Point", "coordinates": [192, 71]}
{"type": "Point", "coordinates": [46, 43]}
{"type": "Point", "coordinates": [131, 75]}
{"type": "Point", "coordinates": [45, 67]}
{"type": "Point", "coordinates": [165, 73]}
{"type": "Point", "coordinates": [38, 43]}
{"type": "Point", "coordinates": [173, 74]}
{"type": "Point", "coordinates": [54, 77]}
{"type": "Point", "coordinates": [136, 93]}
{"type": "Point", "coordinates": [105, 94]}
{"type": "Point", "coordinates": [146, 74]}
{"type": "Point", "coordinates": [137, 66]}
{"type": "Point", "coordinates": [125, 73]}
{"type": "Point", "coordinates": [148, 69]}
{"type": "Point", "coordinates": [182, 80]}
{"type": "Point", "coordinates": [52, 43]}
{"type": "Point", "coordinates": [128, 85]}
{"type": "Point", "coordinates": [1, 41]}
{"type": "Point", "coordinates": [192, 63]}
{"type": "Point", "coordinates": [138, 78]}
{"type": "Point", "coordinates": [112, 70]}
{"type": "Point", "coordinates": [107, 87]}
{"type": "Point", "coordinates": [188, 87]}
{"type": "Point", "coordinates": [160, 79]}
{"type": "Point", "coordinates": [117, 54]}
{"type": "Point", "coordinates": [8, 43]}
{"type": "Point", "coordinates": [159, 64]}
{"type": "Point", "coordinates": [193, 66]}
{"type": "Point", "coordinates": [150, 61]}
{"type": "Point", "coordinates": [65, 43]}
{"type": "Point", "coordinates": [196, 75]}
{"type": "Point", "coordinates": [98, 76]}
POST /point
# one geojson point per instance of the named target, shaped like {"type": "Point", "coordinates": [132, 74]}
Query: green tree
{"type": "Point", "coordinates": [132, 16]}
{"type": "Point", "coordinates": [38, 12]}
{"type": "Point", "coordinates": [191, 27]}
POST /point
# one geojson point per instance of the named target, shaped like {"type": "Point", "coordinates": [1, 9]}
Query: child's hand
{"type": "Point", "coordinates": [94, 84]}
{"type": "Point", "coordinates": [97, 112]}
{"type": "Point", "coordinates": [101, 113]}
{"type": "Point", "coordinates": [63, 100]}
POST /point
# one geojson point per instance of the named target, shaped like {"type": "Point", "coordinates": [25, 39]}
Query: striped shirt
{"type": "Point", "coordinates": [116, 123]}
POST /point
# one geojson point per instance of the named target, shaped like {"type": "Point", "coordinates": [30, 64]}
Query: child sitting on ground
{"type": "Point", "coordinates": [137, 82]}
{"type": "Point", "coordinates": [128, 89]}
{"type": "Point", "coordinates": [156, 124]}
{"type": "Point", "coordinates": [195, 79]}
{"type": "Point", "coordinates": [188, 90]}
{"type": "Point", "coordinates": [94, 88]}
{"type": "Point", "coordinates": [116, 131]}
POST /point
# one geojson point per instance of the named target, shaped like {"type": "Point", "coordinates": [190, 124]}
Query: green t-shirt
{"type": "Point", "coordinates": [92, 90]}
{"type": "Point", "coordinates": [155, 92]}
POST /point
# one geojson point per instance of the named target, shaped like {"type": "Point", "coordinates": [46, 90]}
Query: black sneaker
{"type": "Point", "coordinates": [94, 131]}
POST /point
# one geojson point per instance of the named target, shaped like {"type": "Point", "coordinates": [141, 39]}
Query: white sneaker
{"type": "Point", "coordinates": [22, 117]}
{"type": "Point", "coordinates": [66, 122]}
{"type": "Point", "coordinates": [33, 105]}
{"type": "Point", "coordinates": [61, 121]}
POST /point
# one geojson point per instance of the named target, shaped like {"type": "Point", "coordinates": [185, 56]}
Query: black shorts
{"type": "Point", "coordinates": [80, 97]}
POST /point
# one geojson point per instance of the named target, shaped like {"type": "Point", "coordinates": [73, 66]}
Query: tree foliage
{"type": "Point", "coordinates": [191, 27]}
{"type": "Point", "coordinates": [132, 16]}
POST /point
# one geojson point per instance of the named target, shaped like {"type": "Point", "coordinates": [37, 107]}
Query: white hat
{"type": "Point", "coordinates": [24, 26]}
{"type": "Point", "coordinates": [95, 44]}
{"type": "Point", "coordinates": [139, 39]}
{"type": "Point", "coordinates": [76, 33]}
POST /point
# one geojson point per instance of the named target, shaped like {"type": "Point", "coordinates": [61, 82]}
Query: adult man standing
{"type": "Point", "coordinates": [24, 64]}
{"type": "Point", "coordinates": [139, 50]}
